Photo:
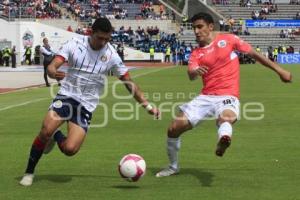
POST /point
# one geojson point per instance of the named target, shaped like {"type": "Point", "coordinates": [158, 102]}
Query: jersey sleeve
{"type": "Point", "coordinates": [45, 51]}
{"type": "Point", "coordinates": [240, 45]}
{"type": "Point", "coordinates": [117, 66]}
{"type": "Point", "coordinates": [65, 50]}
{"type": "Point", "coordinates": [193, 60]}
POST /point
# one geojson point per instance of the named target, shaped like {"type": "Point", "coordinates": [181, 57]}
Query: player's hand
{"type": "Point", "coordinates": [286, 76]}
{"type": "Point", "coordinates": [59, 75]}
{"type": "Point", "coordinates": [155, 112]}
{"type": "Point", "coordinates": [201, 70]}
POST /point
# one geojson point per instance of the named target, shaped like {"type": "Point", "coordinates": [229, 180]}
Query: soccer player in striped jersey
{"type": "Point", "coordinates": [90, 58]}
{"type": "Point", "coordinates": [216, 61]}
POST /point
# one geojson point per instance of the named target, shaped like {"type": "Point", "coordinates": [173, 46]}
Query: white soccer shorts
{"type": "Point", "coordinates": [209, 107]}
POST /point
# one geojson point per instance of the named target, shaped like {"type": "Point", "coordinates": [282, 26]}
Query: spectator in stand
{"type": "Point", "coordinates": [289, 31]}
{"type": "Point", "coordinates": [246, 31]}
{"type": "Point", "coordinates": [248, 4]}
{"type": "Point", "coordinates": [120, 51]}
{"type": "Point", "coordinates": [222, 24]}
{"type": "Point", "coordinates": [161, 9]}
{"type": "Point", "coordinates": [69, 29]}
{"type": "Point", "coordinates": [297, 16]}
{"type": "Point", "coordinates": [13, 57]}
{"type": "Point", "coordinates": [286, 33]}
{"type": "Point", "coordinates": [255, 15]}
{"type": "Point", "coordinates": [292, 35]}
{"type": "Point", "coordinates": [173, 16]}
{"type": "Point", "coordinates": [184, 19]}
{"type": "Point", "coordinates": [294, 2]}
{"type": "Point", "coordinates": [290, 49]}
{"type": "Point", "coordinates": [281, 34]}
{"type": "Point", "coordinates": [262, 16]}
{"type": "Point", "coordinates": [242, 3]}
{"type": "Point", "coordinates": [231, 22]}
{"type": "Point", "coordinates": [180, 56]}
{"type": "Point", "coordinates": [129, 31]}
{"type": "Point", "coordinates": [270, 53]}
{"type": "Point", "coordinates": [235, 30]}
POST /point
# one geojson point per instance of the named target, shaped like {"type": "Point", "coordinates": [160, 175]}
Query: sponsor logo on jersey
{"type": "Point", "coordinates": [200, 55]}
{"type": "Point", "coordinates": [103, 58]}
{"type": "Point", "coordinates": [210, 50]}
{"type": "Point", "coordinates": [222, 43]}
{"type": "Point", "coordinates": [57, 104]}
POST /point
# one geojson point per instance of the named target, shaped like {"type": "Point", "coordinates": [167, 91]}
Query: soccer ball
{"type": "Point", "coordinates": [132, 167]}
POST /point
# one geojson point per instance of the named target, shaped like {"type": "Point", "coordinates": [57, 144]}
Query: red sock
{"type": "Point", "coordinates": [38, 144]}
{"type": "Point", "coordinates": [61, 146]}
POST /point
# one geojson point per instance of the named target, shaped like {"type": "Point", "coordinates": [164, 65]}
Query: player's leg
{"type": "Point", "coordinates": [190, 115]}
{"type": "Point", "coordinates": [226, 118]}
{"type": "Point", "coordinates": [45, 75]}
{"type": "Point", "coordinates": [71, 144]}
{"type": "Point", "coordinates": [77, 129]}
{"type": "Point", "coordinates": [51, 122]}
{"type": "Point", "coordinates": [176, 128]}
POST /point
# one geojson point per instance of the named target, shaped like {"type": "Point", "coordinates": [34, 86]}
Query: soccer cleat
{"type": "Point", "coordinates": [222, 145]}
{"type": "Point", "coordinates": [167, 172]}
{"type": "Point", "coordinates": [27, 180]}
{"type": "Point", "coordinates": [50, 144]}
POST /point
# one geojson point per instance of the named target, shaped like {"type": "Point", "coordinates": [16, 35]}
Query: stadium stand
{"type": "Point", "coordinates": [29, 9]}
{"type": "Point", "coordinates": [236, 12]}
{"type": "Point", "coordinates": [263, 37]}
{"type": "Point", "coordinates": [151, 23]}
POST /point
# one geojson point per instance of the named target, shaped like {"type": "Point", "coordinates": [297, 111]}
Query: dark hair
{"type": "Point", "coordinates": [102, 24]}
{"type": "Point", "coordinates": [204, 16]}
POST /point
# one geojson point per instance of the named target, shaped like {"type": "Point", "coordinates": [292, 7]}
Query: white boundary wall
{"type": "Point", "coordinates": [15, 32]}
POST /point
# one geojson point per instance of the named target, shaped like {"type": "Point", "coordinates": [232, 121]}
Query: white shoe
{"type": "Point", "coordinates": [27, 180]}
{"type": "Point", "coordinates": [167, 172]}
{"type": "Point", "coordinates": [50, 144]}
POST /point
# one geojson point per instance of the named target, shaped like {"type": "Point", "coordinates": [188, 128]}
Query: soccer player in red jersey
{"type": "Point", "coordinates": [217, 63]}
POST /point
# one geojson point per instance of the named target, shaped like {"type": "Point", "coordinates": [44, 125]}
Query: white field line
{"type": "Point", "coordinates": [22, 104]}
{"type": "Point", "coordinates": [41, 99]}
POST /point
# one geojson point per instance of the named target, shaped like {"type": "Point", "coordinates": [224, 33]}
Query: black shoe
{"type": "Point", "coordinates": [222, 145]}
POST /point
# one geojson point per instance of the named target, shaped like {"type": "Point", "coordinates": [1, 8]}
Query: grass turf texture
{"type": "Point", "coordinates": [262, 163]}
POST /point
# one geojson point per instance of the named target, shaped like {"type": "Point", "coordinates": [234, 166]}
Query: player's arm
{"type": "Point", "coordinates": [284, 75]}
{"type": "Point", "coordinates": [244, 47]}
{"type": "Point", "coordinates": [194, 70]}
{"type": "Point", "coordinates": [194, 73]}
{"type": "Point", "coordinates": [52, 69]}
{"type": "Point", "coordinates": [138, 95]}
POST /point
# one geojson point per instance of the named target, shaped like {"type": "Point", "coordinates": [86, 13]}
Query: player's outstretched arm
{"type": "Point", "coordinates": [52, 71]}
{"type": "Point", "coordinates": [138, 95]}
{"type": "Point", "coordinates": [284, 75]}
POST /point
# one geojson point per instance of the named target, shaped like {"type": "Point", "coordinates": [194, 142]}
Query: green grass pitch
{"type": "Point", "coordinates": [263, 162]}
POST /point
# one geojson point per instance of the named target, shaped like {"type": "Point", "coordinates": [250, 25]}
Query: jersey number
{"type": "Point", "coordinates": [226, 102]}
